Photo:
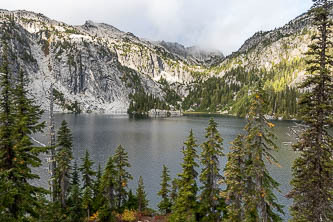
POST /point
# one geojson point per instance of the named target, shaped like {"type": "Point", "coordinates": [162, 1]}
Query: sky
{"type": "Point", "coordinates": [216, 24]}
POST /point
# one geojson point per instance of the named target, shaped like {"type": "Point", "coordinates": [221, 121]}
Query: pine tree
{"type": "Point", "coordinates": [19, 119]}
{"type": "Point", "coordinates": [122, 176]}
{"type": "Point", "coordinates": [141, 196]}
{"type": "Point", "coordinates": [97, 197]}
{"type": "Point", "coordinates": [186, 203]}
{"type": "Point", "coordinates": [234, 179]}
{"type": "Point", "coordinates": [174, 192]}
{"type": "Point", "coordinates": [132, 201]}
{"type": "Point", "coordinates": [87, 174]}
{"type": "Point", "coordinates": [107, 189]}
{"type": "Point", "coordinates": [259, 200]}
{"type": "Point", "coordinates": [165, 203]}
{"type": "Point", "coordinates": [212, 150]}
{"type": "Point", "coordinates": [63, 163]}
{"type": "Point", "coordinates": [75, 198]}
{"type": "Point", "coordinates": [312, 181]}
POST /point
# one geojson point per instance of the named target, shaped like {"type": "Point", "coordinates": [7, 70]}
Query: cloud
{"type": "Point", "coordinates": [218, 24]}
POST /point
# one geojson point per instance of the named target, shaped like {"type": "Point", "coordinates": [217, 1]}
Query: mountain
{"type": "Point", "coordinates": [101, 69]}
{"type": "Point", "coordinates": [95, 64]}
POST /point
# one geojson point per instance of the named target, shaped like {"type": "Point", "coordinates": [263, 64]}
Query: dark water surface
{"type": "Point", "coordinates": [150, 143]}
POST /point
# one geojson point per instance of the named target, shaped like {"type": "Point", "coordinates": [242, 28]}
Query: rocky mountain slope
{"type": "Point", "coordinates": [100, 67]}
{"type": "Point", "coordinates": [94, 65]}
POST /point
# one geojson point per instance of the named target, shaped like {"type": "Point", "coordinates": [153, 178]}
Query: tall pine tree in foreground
{"type": "Point", "coordinates": [211, 202]}
{"type": "Point", "coordinates": [165, 203]}
{"type": "Point", "coordinates": [122, 176]}
{"type": "Point", "coordinates": [141, 196]}
{"type": "Point", "coordinates": [19, 119]}
{"type": "Point", "coordinates": [63, 163]}
{"type": "Point", "coordinates": [186, 206]}
{"type": "Point", "coordinates": [234, 178]}
{"type": "Point", "coordinates": [260, 203]}
{"type": "Point", "coordinates": [312, 181]}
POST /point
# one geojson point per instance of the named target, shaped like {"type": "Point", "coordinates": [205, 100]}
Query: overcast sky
{"type": "Point", "coordinates": [218, 24]}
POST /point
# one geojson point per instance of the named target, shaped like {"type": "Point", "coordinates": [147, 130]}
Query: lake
{"type": "Point", "coordinates": [150, 143]}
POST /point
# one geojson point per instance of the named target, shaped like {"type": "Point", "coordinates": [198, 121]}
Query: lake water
{"type": "Point", "coordinates": [150, 143]}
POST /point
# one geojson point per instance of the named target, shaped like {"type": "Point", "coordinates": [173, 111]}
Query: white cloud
{"type": "Point", "coordinates": [220, 24]}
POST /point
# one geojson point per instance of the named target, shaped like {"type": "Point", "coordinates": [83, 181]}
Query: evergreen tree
{"type": "Point", "coordinates": [259, 199]}
{"type": "Point", "coordinates": [234, 179]}
{"type": "Point", "coordinates": [122, 176]}
{"type": "Point", "coordinates": [186, 203]}
{"type": "Point", "coordinates": [212, 150]}
{"type": "Point", "coordinates": [107, 189]}
{"type": "Point", "coordinates": [165, 203]}
{"type": "Point", "coordinates": [312, 181]}
{"type": "Point", "coordinates": [87, 171]}
{"type": "Point", "coordinates": [63, 163]}
{"type": "Point", "coordinates": [132, 201]}
{"type": "Point", "coordinates": [141, 196]}
{"type": "Point", "coordinates": [97, 194]}
{"type": "Point", "coordinates": [87, 200]}
{"type": "Point", "coordinates": [87, 174]}
{"type": "Point", "coordinates": [75, 198]}
{"type": "Point", "coordinates": [19, 119]}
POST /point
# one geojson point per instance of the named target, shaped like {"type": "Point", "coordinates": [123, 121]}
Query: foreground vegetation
{"type": "Point", "coordinates": [78, 193]}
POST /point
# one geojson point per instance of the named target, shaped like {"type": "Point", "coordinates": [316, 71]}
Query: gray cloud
{"type": "Point", "coordinates": [218, 24]}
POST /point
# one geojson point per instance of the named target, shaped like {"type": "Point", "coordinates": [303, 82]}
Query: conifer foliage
{"type": "Point", "coordinates": [63, 163]}
{"type": "Point", "coordinates": [260, 203]}
{"type": "Point", "coordinates": [312, 181]}
{"type": "Point", "coordinates": [141, 196]}
{"type": "Point", "coordinates": [186, 205]}
{"type": "Point", "coordinates": [19, 119]}
{"type": "Point", "coordinates": [212, 151]}
{"type": "Point", "coordinates": [165, 203]}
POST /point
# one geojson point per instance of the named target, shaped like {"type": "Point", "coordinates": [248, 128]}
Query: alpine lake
{"type": "Point", "coordinates": [152, 142]}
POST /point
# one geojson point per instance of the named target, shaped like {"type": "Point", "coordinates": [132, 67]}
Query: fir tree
{"type": "Point", "coordinates": [132, 201]}
{"type": "Point", "coordinates": [141, 196]}
{"type": "Point", "coordinates": [212, 150]}
{"type": "Point", "coordinates": [75, 198]}
{"type": "Point", "coordinates": [97, 194]}
{"type": "Point", "coordinates": [174, 191]}
{"type": "Point", "coordinates": [19, 119]}
{"type": "Point", "coordinates": [259, 200]}
{"type": "Point", "coordinates": [63, 163]}
{"type": "Point", "coordinates": [107, 189]}
{"type": "Point", "coordinates": [234, 179]}
{"type": "Point", "coordinates": [122, 176]}
{"type": "Point", "coordinates": [186, 203]}
{"type": "Point", "coordinates": [165, 203]}
{"type": "Point", "coordinates": [87, 174]}
{"type": "Point", "coordinates": [312, 181]}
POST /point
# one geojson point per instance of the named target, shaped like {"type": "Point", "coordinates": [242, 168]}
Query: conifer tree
{"type": "Point", "coordinates": [132, 201]}
{"type": "Point", "coordinates": [186, 203]}
{"type": "Point", "coordinates": [122, 176]}
{"type": "Point", "coordinates": [312, 181]}
{"type": "Point", "coordinates": [260, 203]}
{"type": "Point", "coordinates": [107, 189]}
{"type": "Point", "coordinates": [63, 163]}
{"type": "Point", "coordinates": [141, 196]}
{"type": "Point", "coordinates": [97, 194]}
{"type": "Point", "coordinates": [234, 179]}
{"type": "Point", "coordinates": [212, 150]}
{"type": "Point", "coordinates": [87, 171]}
{"type": "Point", "coordinates": [75, 198]}
{"type": "Point", "coordinates": [165, 203]}
{"type": "Point", "coordinates": [87, 179]}
{"type": "Point", "coordinates": [19, 119]}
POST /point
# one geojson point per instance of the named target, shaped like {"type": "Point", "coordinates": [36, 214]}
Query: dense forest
{"type": "Point", "coordinates": [242, 191]}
